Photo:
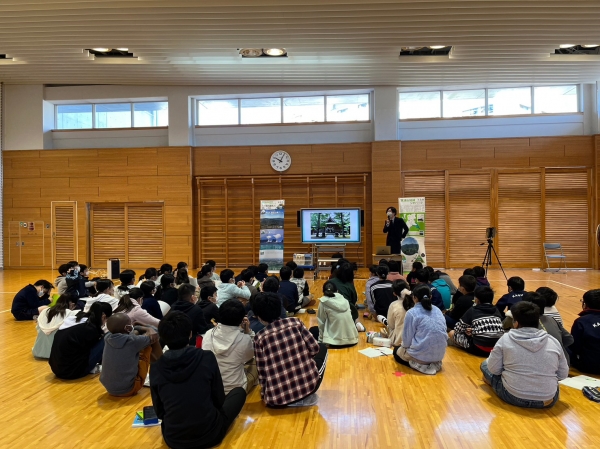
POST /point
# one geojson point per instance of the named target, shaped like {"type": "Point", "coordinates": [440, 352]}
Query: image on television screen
{"type": "Point", "coordinates": [340, 225]}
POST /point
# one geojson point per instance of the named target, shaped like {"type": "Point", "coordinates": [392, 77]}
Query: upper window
{"type": "Point", "coordinates": [270, 110]}
{"type": "Point", "coordinates": [112, 115]}
{"type": "Point", "coordinates": [489, 102]}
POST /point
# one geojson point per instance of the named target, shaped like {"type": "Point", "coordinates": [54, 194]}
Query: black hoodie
{"type": "Point", "coordinates": [195, 314]}
{"type": "Point", "coordinates": [187, 394]}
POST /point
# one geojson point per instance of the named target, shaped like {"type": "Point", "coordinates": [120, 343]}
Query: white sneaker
{"type": "Point", "coordinates": [437, 366]}
{"type": "Point", "coordinates": [360, 327]}
{"type": "Point", "coordinates": [97, 369]}
{"type": "Point", "coordinates": [306, 402]}
{"type": "Point", "coordinates": [425, 369]}
{"type": "Point", "coordinates": [382, 319]}
{"type": "Point", "coordinates": [147, 381]}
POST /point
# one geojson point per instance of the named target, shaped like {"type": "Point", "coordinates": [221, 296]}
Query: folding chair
{"type": "Point", "coordinates": [554, 251]}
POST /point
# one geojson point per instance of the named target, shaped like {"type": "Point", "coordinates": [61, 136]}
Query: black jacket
{"type": "Point", "coordinates": [187, 394]}
{"type": "Point", "coordinates": [70, 353]}
{"type": "Point", "coordinates": [26, 302]}
{"type": "Point", "coordinates": [194, 312]}
{"type": "Point", "coordinates": [396, 232]}
{"type": "Point", "coordinates": [486, 325]}
{"type": "Point", "coordinates": [210, 311]}
{"type": "Point", "coordinates": [169, 295]}
{"type": "Point", "coordinates": [461, 305]}
{"type": "Point", "coordinates": [586, 347]}
{"type": "Point", "coordinates": [383, 295]}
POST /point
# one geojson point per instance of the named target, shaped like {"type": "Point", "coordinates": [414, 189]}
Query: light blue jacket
{"type": "Point", "coordinates": [424, 335]}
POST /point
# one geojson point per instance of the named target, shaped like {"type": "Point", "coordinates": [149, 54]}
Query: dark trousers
{"type": "Point", "coordinates": [450, 322]}
{"type": "Point", "coordinates": [25, 315]}
{"type": "Point", "coordinates": [95, 355]}
{"type": "Point", "coordinates": [398, 359]}
{"type": "Point", "coordinates": [232, 406]}
{"type": "Point", "coordinates": [315, 333]}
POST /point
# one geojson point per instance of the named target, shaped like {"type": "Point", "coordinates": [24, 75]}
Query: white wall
{"type": "Point", "coordinates": [23, 117]}
{"type": "Point", "coordinates": [129, 138]}
{"type": "Point", "coordinates": [492, 127]}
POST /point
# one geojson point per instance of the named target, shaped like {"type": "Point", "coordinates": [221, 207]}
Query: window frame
{"type": "Point", "coordinates": [96, 128]}
{"type": "Point", "coordinates": [487, 103]}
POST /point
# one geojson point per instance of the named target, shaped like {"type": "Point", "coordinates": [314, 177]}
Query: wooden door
{"type": "Point", "coordinates": [145, 235]}
{"type": "Point", "coordinates": [64, 232]}
{"type": "Point", "coordinates": [107, 233]}
{"type": "Point", "coordinates": [32, 244]}
{"type": "Point", "coordinates": [14, 244]}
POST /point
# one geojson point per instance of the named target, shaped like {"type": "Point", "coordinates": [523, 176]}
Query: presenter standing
{"type": "Point", "coordinates": [396, 230]}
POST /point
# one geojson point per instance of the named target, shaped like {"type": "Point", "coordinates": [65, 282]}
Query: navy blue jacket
{"type": "Point", "coordinates": [436, 298]}
{"type": "Point", "coordinates": [586, 347]}
{"type": "Point", "coordinates": [289, 291]}
{"type": "Point", "coordinates": [26, 302]}
{"type": "Point", "coordinates": [152, 306]}
{"type": "Point", "coordinates": [510, 299]}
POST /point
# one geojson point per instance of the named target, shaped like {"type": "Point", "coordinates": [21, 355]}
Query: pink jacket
{"type": "Point", "coordinates": [141, 316]}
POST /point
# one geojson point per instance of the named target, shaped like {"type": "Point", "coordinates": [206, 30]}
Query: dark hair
{"type": "Point", "coordinates": [337, 255]}
{"type": "Point", "coordinates": [270, 284]}
{"type": "Point", "coordinates": [45, 284]}
{"type": "Point", "coordinates": [537, 299]}
{"type": "Point", "coordinates": [263, 267]}
{"type": "Point", "coordinates": [247, 275]}
{"type": "Point", "coordinates": [150, 273]}
{"type": "Point", "coordinates": [166, 268]}
{"type": "Point", "coordinates": [429, 269]}
{"type": "Point", "coordinates": [125, 304]}
{"type": "Point", "coordinates": [186, 291]}
{"type": "Point", "coordinates": [165, 281]}
{"type": "Point", "coordinates": [329, 289]}
{"type": "Point", "coordinates": [148, 287]}
{"type": "Point", "coordinates": [591, 299]}
{"type": "Point", "coordinates": [267, 306]}
{"type": "Point", "coordinates": [64, 268]}
{"type": "Point", "coordinates": [299, 273]}
{"type": "Point", "coordinates": [206, 292]}
{"type": "Point", "coordinates": [232, 312]}
{"type": "Point", "coordinates": [204, 271]}
{"type": "Point", "coordinates": [382, 271]}
{"type": "Point", "coordinates": [285, 273]}
{"type": "Point", "coordinates": [423, 295]}
{"type": "Point", "coordinates": [394, 266]}
{"type": "Point", "coordinates": [175, 329]}
{"type": "Point", "coordinates": [484, 294]}
{"type": "Point", "coordinates": [398, 287]}
{"type": "Point", "coordinates": [417, 266]}
{"type": "Point", "coordinates": [226, 275]}
{"type": "Point", "coordinates": [526, 314]}
{"type": "Point", "coordinates": [467, 282]}
{"type": "Point", "coordinates": [61, 306]}
{"type": "Point", "coordinates": [136, 293]}
{"type": "Point", "coordinates": [103, 284]}
{"type": "Point", "coordinates": [383, 262]}
{"type": "Point", "coordinates": [182, 276]}
{"type": "Point", "coordinates": [469, 272]}
{"type": "Point", "coordinates": [393, 209]}
{"type": "Point", "coordinates": [72, 263]}
{"type": "Point", "coordinates": [292, 265]}
{"type": "Point", "coordinates": [422, 275]}
{"type": "Point", "coordinates": [126, 277]}
{"type": "Point", "coordinates": [345, 273]}
{"type": "Point", "coordinates": [373, 269]}
{"type": "Point", "coordinates": [94, 315]}
{"type": "Point", "coordinates": [211, 263]}
{"type": "Point", "coordinates": [479, 272]}
{"type": "Point", "coordinates": [82, 268]}
{"type": "Point", "coordinates": [549, 295]}
{"type": "Point", "coordinates": [181, 265]}
{"type": "Point", "coordinates": [516, 283]}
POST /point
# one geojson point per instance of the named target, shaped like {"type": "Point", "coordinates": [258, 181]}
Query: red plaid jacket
{"type": "Point", "coordinates": [284, 353]}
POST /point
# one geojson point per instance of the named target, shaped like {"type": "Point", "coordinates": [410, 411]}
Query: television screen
{"type": "Point", "coordinates": [341, 225]}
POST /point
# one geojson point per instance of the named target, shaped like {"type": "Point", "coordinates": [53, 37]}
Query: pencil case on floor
{"type": "Point", "coordinates": [593, 394]}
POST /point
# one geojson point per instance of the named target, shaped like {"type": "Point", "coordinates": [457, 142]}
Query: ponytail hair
{"type": "Point", "coordinates": [422, 293]}
{"type": "Point", "coordinates": [204, 271]}
{"type": "Point", "coordinates": [329, 289]}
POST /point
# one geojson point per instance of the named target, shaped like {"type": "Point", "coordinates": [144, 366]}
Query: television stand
{"type": "Point", "coordinates": [323, 262]}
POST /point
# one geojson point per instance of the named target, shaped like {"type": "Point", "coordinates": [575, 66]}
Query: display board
{"type": "Point", "coordinates": [341, 225]}
{"type": "Point", "coordinates": [412, 211]}
{"type": "Point", "coordinates": [272, 214]}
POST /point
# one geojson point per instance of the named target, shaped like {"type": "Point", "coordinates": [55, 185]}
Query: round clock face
{"type": "Point", "coordinates": [281, 161]}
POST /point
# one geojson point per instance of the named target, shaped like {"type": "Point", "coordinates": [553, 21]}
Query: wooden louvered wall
{"type": "Point", "coordinates": [64, 232]}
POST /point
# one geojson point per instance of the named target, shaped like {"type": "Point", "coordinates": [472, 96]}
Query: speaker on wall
{"type": "Point", "coordinates": [113, 268]}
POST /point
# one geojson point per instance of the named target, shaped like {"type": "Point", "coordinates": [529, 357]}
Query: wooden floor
{"type": "Point", "coordinates": [363, 404]}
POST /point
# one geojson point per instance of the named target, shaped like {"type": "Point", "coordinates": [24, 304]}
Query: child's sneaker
{"type": "Point", "coordinates": [382, 319]}
{"type": "Point", "coordinates": [425, 369]}
{"type": "Point", "coordinates": [147, 381]}
{"type": "Point", "coordinates": [360, 327]}
{"type": "Point", "coordinates": [96, 370]}
{"type": "Point", "coordinates": [306, 402]}
{"type": "Point", "coordinates": [437, 366]}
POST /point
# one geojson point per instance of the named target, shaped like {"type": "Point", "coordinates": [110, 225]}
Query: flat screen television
{"type": "Point", "coordinates": [330, 226]}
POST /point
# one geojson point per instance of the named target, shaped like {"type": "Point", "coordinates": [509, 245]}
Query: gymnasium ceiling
{"type": "Point", "coordinates": [330, 42]}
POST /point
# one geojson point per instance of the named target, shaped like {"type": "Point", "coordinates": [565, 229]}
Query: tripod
{"type": "Point", "coordinates": [487, 259]}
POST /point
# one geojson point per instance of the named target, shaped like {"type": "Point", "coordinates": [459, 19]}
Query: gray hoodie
{"type": "Point", "coordinates": [233, 349]}
{"type": "Point", "coordinates": [336, 326]}
{"type": "Point", "coordinates": [531, 362]}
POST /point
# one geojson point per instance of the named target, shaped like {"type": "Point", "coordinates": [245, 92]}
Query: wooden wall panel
{"type": "Point", "coordinates": [33, 179]}
{"type": "Point", "coordinates": [386, 185]}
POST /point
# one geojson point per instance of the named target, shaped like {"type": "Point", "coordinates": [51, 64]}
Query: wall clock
{"type": "Point", "coordinates": [281, 161]}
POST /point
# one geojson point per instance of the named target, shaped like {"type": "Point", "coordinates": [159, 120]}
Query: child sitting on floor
{"type": "Point", "coordinates": [550, 297]}
{"type": "Point", "coordinates": [397, 312]}
{"type": "Point", "coordinates": [126, 356]}
{"type": "Point", "coordinates": [303, 288]}
{"type": "Point", "coordinates": [336, 327]}
{"type": "Point", "coordinates": [208, 304]}
{"type": "Point", "coordinates": [150, 303]}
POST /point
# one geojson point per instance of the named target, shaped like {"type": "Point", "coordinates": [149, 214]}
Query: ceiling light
{"type": "Point", "coordinates": [591, 45]}
{"type": "Point", "coordinates": [567, 45]}
{"type": "Point", "coordinates": [101, 50]}
{"type": "Point", "coordinates": [437, 47]}
{"type": "Point", "coordinates": [251, 52]}
{"type": "Point", "coordinates": [122, 49]}
{"type": "Point", "coordinates": [274, 51]}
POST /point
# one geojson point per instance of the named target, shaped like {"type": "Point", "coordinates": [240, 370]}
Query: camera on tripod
{"type": "Point", "coordinates": [490, 234]}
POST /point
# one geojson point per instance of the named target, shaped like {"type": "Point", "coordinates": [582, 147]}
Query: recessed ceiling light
{"type": "Point", "coordinates": [437, 47]}
{"type": "Point", "coordinates": [591, 45]}
{"type": "Point", "coordinates": [122, 49]}
{"type": "Point", "coordinates": [251, 52]}
{"type": "Point", "coordinates": [567, 45]}
{"type": "Point", "coordinates": [274, 51]}
{"type": "Point", "coordinates": [101, 50]}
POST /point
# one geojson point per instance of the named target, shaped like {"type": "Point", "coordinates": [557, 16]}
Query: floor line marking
{"type": "Point", "coordinates": [4, 311]}
{"type": "Point", "coordinates": [567, 285]}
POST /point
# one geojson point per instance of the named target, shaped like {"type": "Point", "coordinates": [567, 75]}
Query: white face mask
{"type": "Point", "coordinates": [390, 215]}
{"type": "Point", "coordinates": [41, 293]}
